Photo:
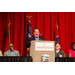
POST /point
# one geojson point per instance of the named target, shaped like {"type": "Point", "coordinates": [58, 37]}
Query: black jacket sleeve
{"type": "Point", "coordinates": [28, 42]}
{"type": "Point", "coordinates": [42, 39]}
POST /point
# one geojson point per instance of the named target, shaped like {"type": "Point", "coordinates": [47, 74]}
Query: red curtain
{"type": "Point", "coordinates": [45, 21]}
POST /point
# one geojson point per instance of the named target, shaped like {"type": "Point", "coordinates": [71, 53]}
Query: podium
{"type": "Point", "coordinates": [39, 48]}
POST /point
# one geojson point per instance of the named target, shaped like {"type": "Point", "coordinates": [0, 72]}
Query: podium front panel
{"type": "Point", "coordinates": [39, 48]}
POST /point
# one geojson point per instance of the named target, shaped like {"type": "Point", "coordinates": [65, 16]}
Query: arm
{"type": "Point", "coordinates": [18, 54]}
{"type": "Point", "coordinates": [64, 55]}
{"type": "Point", "coordinates": [0, 53]}
{"type": "Point", "coordinates": [28, 43]}
{"type": "Point", "coordinates": [43, 39]}
{"type": "Point", "coordinates": [62, 52]}
{"type": "Point", "coordinates": [5, 54]}
{"type": "Point", "coordinates": [69, 54]}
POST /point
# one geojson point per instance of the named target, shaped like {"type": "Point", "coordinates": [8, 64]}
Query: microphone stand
{"type": "Point", "coordinates": [41, 36]}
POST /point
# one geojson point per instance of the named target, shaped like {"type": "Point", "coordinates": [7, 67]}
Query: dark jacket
{"type": "Point", "coordinates": [60, 53]}
{"type": "Point", "coordinates": [30, 39]}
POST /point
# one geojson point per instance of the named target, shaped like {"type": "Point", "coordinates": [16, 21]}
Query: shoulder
{"type": "Point", "coordinates": [6, 51]}
{"type": "Point", "coordinates": [31, 38]}
{"type": "Point", "coordinates": [0, 51]}
{"type": "Point", "coordinates": [70, 51]}
{"type": "Point", "coordinates": [62, 51]}
{"type": "Point", "coordinates": [16, 51]}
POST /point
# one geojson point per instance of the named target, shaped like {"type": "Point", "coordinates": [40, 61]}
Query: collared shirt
{"type": "Point", "coordinates": [12, 53]}
{"type": "Point", "coordinates": [37, 39]}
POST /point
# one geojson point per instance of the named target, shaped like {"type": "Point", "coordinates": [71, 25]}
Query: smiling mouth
{"type": "Point", "coordinates": [36, 34]}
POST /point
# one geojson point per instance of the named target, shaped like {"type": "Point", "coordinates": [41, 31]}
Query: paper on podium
{"type": "Point", "coordinates": [44, 46]}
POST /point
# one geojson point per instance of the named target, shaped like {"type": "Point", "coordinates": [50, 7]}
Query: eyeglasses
{"type": "Point", "coordinates": [57, 46]}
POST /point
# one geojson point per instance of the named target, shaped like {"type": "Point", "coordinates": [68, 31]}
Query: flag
{"type": "Point", "coordinates": [30, 30]}
{"type": "Point", "coordinates": [8, 37]}
{"type": "Point", "coordinates": [57, 33]}
{"type": "Point", "coordinates": [29, 33]}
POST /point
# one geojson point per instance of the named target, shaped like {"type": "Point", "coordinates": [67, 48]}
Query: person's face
{"type": "Point", "coordinates": [57, 47]}
{"type": "Point", "coordinates": [36, 33]}
{"type": "Point", "coordinates": [10, 46]}
{"type": "Point", "coordinates": [74, 46]}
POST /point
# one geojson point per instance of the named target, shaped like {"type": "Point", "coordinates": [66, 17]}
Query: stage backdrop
{"type": "Point", "coordinates": [45, 21]}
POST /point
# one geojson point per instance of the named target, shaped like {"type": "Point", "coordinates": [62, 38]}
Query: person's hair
{"type": "Point", "coordinates": [72, 45]}
{"type": "Point", "coordinates": [35, 29]}
{"type": "Point", "coordinates": [10, 43]}
{"type": "Point", "coordinates": [58, 43]}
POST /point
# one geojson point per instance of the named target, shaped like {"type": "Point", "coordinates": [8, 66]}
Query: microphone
{"type": "Point", "coordinates": [41, 35]}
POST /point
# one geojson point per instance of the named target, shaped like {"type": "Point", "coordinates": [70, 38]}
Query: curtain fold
{"type": "Point", "coordinates": [45, 21]}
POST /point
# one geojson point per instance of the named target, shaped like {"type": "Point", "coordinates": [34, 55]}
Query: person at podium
{"type": "Point", "coordinates": [35, 37]}
{"type": "Point", "coordinates": [58, 52]}
{"type": "Point", "coordinates": [71, 53]}
{"type": "Point", "coordinates": [11, 51]}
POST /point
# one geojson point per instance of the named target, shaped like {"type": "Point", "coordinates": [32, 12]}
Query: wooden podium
{"type": "Point", "coordinates": [42, 47]}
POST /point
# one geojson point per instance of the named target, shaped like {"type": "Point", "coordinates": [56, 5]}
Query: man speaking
{"type": "Point", "coordinates": [36, 37]}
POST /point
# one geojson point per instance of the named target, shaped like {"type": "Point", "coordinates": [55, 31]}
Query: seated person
{"type": "Point", "coordinates": [36, 37]}
{"type": "Point", "coordinates": [11, 51]}
{"type": "Point", "coordinates": [0, 53]}
{"type": "Point", "coordinates": [71, 53]}
{"type": "Point", "coordinates": [58, 52]}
